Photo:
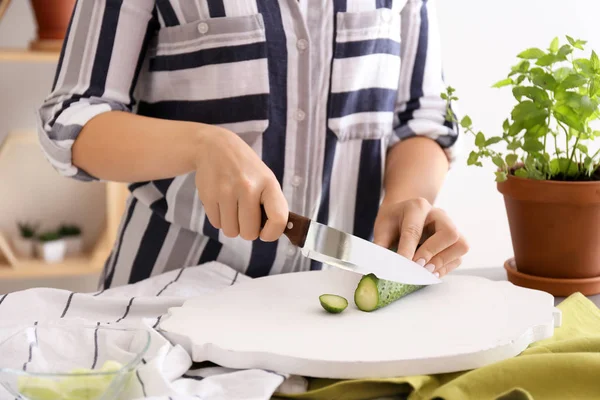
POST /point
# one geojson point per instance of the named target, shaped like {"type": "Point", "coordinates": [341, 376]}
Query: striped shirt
{"type": "Point", "coordinates": [319, 89]}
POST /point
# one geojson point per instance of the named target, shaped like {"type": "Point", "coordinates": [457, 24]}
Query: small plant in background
{"type": "Point", "coordinates": [27, 230]}
{"type": "Point", "coordinates": [71, 234]}
{"type": "Point", "coordinates": [557, 96]}
{"type": "Point", "coordinates": [49, 236]}
{"type": "Point", "coordinates": [51, 246]}
{"type": "Point", "coordinates": [66, 230]}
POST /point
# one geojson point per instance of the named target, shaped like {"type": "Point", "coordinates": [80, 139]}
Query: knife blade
{"type": "Point", "coordinates": [328, 245]}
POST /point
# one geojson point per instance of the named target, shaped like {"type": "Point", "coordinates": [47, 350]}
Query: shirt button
{"type": "Point", "coordinates": [300, 115]}
{"type": "Point", "coordinates": [296, 181]}
{"type": "Point", "coordinates": [302, 44]}
{"type": "Point", "coordinates": [203, 27]}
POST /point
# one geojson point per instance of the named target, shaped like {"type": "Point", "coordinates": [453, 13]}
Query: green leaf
{"type": "Point", "coordinates": [537, 131]}
{"type": "Point", "coordinates": [500, 176]}
{"type": "Point", "coordinates": [480, 140]}
{"type": "Point", "coordinates": [493, 140]}
{"type": "Point", "coordinates": [511, 160]}
{"type": "Point", "coordinates": [576, 43]}
{"type": "Point", "coordinates": [515, 128]}
{"type": "Point", "coordinates": [554, 45]}
{"type": "Point", "coordinates": [596, 133]}
{"type": "Point", "coordinates": [502, 83]}
{"type": "Point", "coordinates": [528, 115]}
{"type": "Point", "coordinates": [521, 173]}
{"type": "Point", "coordinates": [572, 81]}
{"type": "Point", "coordinates": [547, 60]}
{"type": "Point", "coordinates": [585, 65]}
{"type": "Point", "coordinates": [595, 86]}
{"type": "Point", "coordinates": [444, 96]}
{"type": "Point", "coordinates": [532, 53]}
{"type": "Point", "coordinates": [544, 80]}
{"type": "Point", "coordinates": [583, 148]}
{"type": "Point", "coordinates": [561, 73]}
{"type": "Point", "coordinates": [520, 79]}
{"type": "Point", "coordinates": [533, 145]}
{"type": "Point", "coordinates": [564, 52]}
{"type": "Point", "coordinates": [581, 104]}
{"type": "Point", "coordinates": [580, 44]}
{"type": "Point", "coordinates": [506, 125]}
{"type": "Point", "coordinates": [595, 61]}
{"type": "Point", "coordinates": [498, 161]}
{"type": "Point", "coordinates": [531, 92]}
{"type": "Point", "coordinates": [514, 145]}
{"type": "Point", "coordinates": [566, 114]}
{"type": "Point", "coordinates": [589, 165]}
{"type": "Point", "coordinates": [563, 166]}
{"type": "Point", "coordinates": [466, 121]}
{"type": "Point", "coordinates": [473, 158]}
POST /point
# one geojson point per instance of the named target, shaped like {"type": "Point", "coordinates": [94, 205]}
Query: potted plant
{"type": "Point", "coordinates": [51, 247]}
{"type": "Point", "coordinates": [24, 241]}
{"type": "Point", "coordinates": [52, 18]}
{"type": "Point", "coordinates": [547, 170]}
{"type": "Point", "coordinates": [71, 234]}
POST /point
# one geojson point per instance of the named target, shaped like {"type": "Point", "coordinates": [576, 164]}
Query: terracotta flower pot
{"type": "Point", "coordinates": [52, 18]}
{"type": "Point", "coordinates": [554, 226]}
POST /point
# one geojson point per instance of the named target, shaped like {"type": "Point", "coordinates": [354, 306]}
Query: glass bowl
{"type": "Point", "coordinates": [70, 361]}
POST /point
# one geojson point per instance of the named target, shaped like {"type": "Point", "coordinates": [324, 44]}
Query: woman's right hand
{"type": "Point", "coordinates": [233, 182]}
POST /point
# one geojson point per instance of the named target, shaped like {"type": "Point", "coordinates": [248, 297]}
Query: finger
{"type": "Point", "coordinates": [276, 208]}
{"type": "Point", "coordinates": [229, 217]}
{"type": "Point", "coordinates": [446, 269]}
{"type": "Point", "coordinates": [411, 228]}
{"type": "Point", "coordinates": [211, 209]}
{"type": "Point", "coordinates": [249, 216]}
{"type": "Point", "coordinates": [385, 231]}
{"type": "Point", "coordinates": [445, 235]}
{"type": "Point", "coordinates": [449, 255]}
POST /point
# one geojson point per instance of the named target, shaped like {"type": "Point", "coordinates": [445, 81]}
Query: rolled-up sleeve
{"type": "Point", "coordinates": [96, 73]}
{"type": "Point", "coordinates": [420, 111]}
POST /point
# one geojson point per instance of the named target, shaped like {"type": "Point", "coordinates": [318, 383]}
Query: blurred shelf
{"type": "Point", "coordinates": [90, 263]}
{"type": "Point", "coordinates": [38, 269]}
{"type": "Point", "coordinates": [25, 55]}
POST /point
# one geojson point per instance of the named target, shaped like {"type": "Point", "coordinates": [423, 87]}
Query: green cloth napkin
{"type": "Point", "coordinates": [565, 366]}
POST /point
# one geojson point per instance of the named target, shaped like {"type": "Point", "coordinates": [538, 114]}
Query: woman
{"type": "Point", "coordinates": [210, 108]}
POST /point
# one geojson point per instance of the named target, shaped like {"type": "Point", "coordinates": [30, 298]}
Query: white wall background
{"type": "Point", "coordinates": [480, 40]}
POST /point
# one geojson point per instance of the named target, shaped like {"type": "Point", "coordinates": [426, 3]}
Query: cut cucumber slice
{"type": "Point", "coordinates": [35, 388]}
{"type": "Point", "coordinates": [84, 387]}
{"type": "Point", "coordinates": [373, 293]}
{"type": "Point", "coordinates": [333, 303]}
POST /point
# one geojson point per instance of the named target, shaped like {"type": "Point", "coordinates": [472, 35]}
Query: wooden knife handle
{"type": "Point", "coordinates": [296, 229]}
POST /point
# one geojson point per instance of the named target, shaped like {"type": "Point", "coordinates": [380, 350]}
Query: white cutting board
{"type": "Point", "coordinates": [276, 323]}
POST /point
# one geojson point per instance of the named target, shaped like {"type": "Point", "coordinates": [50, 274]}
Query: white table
{"type": "Point", "coordinates": [499, 274]}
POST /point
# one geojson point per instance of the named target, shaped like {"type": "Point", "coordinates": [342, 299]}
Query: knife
{"type": "Point", "coordinates": [333, 247]}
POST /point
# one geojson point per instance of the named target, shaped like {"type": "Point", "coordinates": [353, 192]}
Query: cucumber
{"type": "Point", "coordinates": [373, 293]}
{"type": "Point", "coordinates": [333, 303]}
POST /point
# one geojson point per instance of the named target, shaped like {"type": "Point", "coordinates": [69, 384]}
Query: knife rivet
{"type": "Point", "coordinates": [290, 225]}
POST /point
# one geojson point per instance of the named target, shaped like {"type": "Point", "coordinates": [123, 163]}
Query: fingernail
{"type": "Point", "coordinates": [421, 262]}
{"type": "Point", "coordinates": [436, 274]}
{"type": "Point", "coordinates": [430, 267]}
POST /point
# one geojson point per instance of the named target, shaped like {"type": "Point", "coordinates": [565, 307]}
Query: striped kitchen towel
{"type": "Point", "coordinates": [167, 371]}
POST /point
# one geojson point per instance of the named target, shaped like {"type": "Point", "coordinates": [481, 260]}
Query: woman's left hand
{"type": "Point", "coordinates": [422, 233]}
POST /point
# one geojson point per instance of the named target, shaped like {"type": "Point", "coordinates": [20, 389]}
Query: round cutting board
{"type": "Point", "coordinates": [276, 323]}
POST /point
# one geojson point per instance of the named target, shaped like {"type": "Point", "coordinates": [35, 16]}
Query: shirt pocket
{"type": "Point", "coordinates": [365, 74]}
{"type": "Point", "coordinates": [214, 71]}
